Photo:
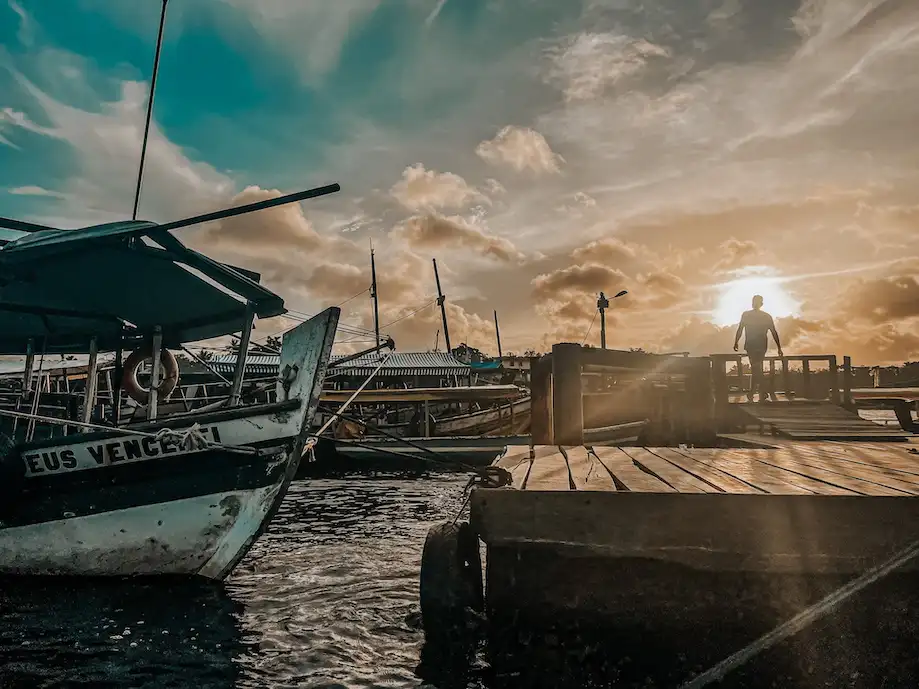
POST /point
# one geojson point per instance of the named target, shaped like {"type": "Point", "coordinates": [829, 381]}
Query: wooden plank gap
{"type": "Point", "coordinates": [723, 471]}
{"type": "Point", "coordinates": [687, 471]}
{"type": "Point", "coordinates": [648, 470]}
{"type": "Point", "coordinates": [616, 481]}
{"type": "Point", "coordinates": [571, 484]}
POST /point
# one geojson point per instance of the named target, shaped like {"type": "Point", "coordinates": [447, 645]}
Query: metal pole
{"type": "Point", "coordinates": [603, 305]}
{"type": "Point", "coordinates": [240, 371]}
{"type": "Point", "coordinates": [143, 149]}
{"type": "Point", "coordinates": [89, 394]}
{"type": "Point", "coordinates": [155, 373]}
{"type": "Point", "coordinates": [498, 334]}
{"type": "Point", "coordinates": [441, 299]}
{"type": "Point", "coordinates": [373, 294]}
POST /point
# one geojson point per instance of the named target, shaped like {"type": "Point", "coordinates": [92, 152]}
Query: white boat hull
{"type": "Point", "coordinates": [150, 502]}
{"type": "Point", "coordinates": [200, 535]}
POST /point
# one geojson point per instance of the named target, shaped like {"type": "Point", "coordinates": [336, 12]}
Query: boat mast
{"type": "Point", "coordinates": [373, 295]}
{"type": "Point", "coordinates": [498, 334]}
{"type": "Point", "coordinates": [143, 148]}
{"type": "Point", "coordinates": [441, 299]}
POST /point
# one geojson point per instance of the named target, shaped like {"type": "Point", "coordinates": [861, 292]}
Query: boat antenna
{"type": "Point", "coordinates": [373, 295]}
{"type": "Point", "coordinates": [143, 148]}
{"type": "Point", "coordinates": [441, 299]}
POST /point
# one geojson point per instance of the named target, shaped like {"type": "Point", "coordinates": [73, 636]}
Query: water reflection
{"type": "Point", "coordinates": [151, 632]}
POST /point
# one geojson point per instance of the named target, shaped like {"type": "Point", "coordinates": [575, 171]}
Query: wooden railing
{"type": "Point", "coordinates": [838, 388]}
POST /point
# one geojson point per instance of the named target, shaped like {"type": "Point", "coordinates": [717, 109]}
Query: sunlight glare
{"type": "Point", "coordinates": [735, 297]}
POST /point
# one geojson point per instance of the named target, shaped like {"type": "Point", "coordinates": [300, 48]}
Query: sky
{"type": "Point", "coordinates": [542, 151]}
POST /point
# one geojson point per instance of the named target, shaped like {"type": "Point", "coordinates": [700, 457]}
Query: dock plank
{"type": "Point", "coordinates": [587, 472]}
{"type": "Point", "coordinates": [759, 460]}
{"type": "Point", "coordinates": [788, 460]}
{"type": "Point", "coordinates": [831, 459]}
{"type": "Point", "coordinates": [679, 478]}
{"type": "Point", "coordinates": [623, 470]}
{"type": "Point", "coordinates": [549, 472]}
{"type": "Point", "coordinates": [748, 470]}
{"type": "Point", "coordinates": [722, 480]}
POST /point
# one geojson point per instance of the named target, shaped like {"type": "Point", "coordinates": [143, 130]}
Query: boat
{"type": "Point", "coordinates": [84, 491]}
{"type": "Point", "coordinates": [186, 493]}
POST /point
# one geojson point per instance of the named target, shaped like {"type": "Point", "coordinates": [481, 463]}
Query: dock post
{"type": "Point", "coordinates": [786, 380]}
{"type": "Point", "coordinates": [806, 379]}
{"type": "Point", "coordinates": [834, 381]}
{"type": "Point", "coordinates": [720, 385]}
{"type": "Point", "coordinates": [541, 401]}
{"type": "Point", "coordinates": [567, 398]}
{"type": "Point", "coordinates": [847, 381]}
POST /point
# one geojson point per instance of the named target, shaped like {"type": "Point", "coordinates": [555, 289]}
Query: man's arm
{"type": "Point", "coordinates": [775, 335]}
{"type": "Point", "coordinates": [739, 332]}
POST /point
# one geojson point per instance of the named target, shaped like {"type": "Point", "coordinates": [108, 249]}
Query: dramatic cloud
{"type": "Point", "coordinates": [667, 148]}
{"type": "Point", "coordinates": [737, 254]}
{"type": "Point", "coordinates": [605, 251]}
{"type": "Point", "coordinates": [521, 148]}
{"type": "Point", "coordinates": [421, 189]}
{"type": "Point", "coordinates": [435, 231]}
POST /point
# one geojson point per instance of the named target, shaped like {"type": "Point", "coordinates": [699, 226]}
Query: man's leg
{"type": "Point", "coordinates": [756, 374]}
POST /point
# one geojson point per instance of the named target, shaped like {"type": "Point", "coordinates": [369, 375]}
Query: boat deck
{"type": "Point", "coordinates": [784, 468]}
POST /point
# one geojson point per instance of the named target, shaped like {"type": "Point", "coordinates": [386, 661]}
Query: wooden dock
{"type": "Point", "coordinates": [816, 420]}
{"type": "Point", "coordinates": [652, 564]}
{"type": "Point", "coordinates": [785, 468]}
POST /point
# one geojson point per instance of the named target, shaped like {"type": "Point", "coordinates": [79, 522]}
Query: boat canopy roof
{"type": "Point", "coordinates": [62, 287]}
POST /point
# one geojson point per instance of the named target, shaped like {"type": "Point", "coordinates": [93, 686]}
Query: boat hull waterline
{"type": "Point", "coordinates": [135, 505]}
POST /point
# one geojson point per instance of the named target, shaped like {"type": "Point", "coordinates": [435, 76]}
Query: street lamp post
{"type": "Point", "coordinates": [603, 305]}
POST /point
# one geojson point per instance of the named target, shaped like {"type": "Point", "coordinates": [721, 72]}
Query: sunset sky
{"type": "Point", "coordinates": [693, 153]}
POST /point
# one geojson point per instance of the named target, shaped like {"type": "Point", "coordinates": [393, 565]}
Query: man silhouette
{"type": "Point", "coordinates": [757, 324]}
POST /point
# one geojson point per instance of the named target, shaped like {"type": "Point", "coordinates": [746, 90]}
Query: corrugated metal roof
{"type": "Point", "coordinates": [399, 364]}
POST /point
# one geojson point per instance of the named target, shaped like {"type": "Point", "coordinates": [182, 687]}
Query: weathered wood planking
{"type": "Point", "coordinates": [764, 460]}
{"type": "Point", "coordinates": [587, 472]}
{"type": "Point", "coordinates": [677, 477]}
{"type": "Point", "coordinates": [549, 472]}
{"type": "Point", "coordinates": [625, 472]}
{"type": "Point", "coordinates": [789, 468]}
{"type": "Point", "coordinates": [717, 477]}
{"type": "Point", "coordinates": [815, 420]}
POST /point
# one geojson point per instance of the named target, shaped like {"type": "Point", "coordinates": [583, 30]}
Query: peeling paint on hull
{"type": "Point", "coordinates": [191, 536]}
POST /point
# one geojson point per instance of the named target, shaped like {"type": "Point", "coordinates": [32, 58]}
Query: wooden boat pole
{"type": "Point", "coordinates": [240, 371]}
{"type": "Point", "coordinates": [441, 299]}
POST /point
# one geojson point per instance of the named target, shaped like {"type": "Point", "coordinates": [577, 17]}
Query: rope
{"type": "Point", "coordinates": [490, 476]}
{"type": "Point", "coordinates": [184, 435]}
{"type": "Point", "coordinates": [589, 328]}
{"type": "Point", "coordinates": [315, 436]}
{"type": "Point", "coordinates": [803, 619]}
{"type": "Point", "coordinates": [188, 439]}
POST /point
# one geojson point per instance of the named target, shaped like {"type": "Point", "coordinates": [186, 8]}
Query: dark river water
{"type": "Point", "coordinates": [326, 598]}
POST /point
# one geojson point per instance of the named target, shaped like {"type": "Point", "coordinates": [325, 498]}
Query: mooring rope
{"type": "Point", "coordinates": [314, 437]}
{"type": "Point", "coordinates": [802, 619]}
{"type": "Point", "coordinates": [182, 434]}
{"type": "Point", "coordinates": [491, 476]}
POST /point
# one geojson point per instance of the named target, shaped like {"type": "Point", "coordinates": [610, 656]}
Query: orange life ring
{"type": "Point", "coordinates": [170, 370]}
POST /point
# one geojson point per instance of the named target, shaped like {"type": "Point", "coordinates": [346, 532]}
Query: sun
{"type": "Point", "coordinates": [734, 298]}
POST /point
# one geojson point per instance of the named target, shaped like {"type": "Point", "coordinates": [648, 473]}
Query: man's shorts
{"type": "Point", "coordinates": [756, 355]}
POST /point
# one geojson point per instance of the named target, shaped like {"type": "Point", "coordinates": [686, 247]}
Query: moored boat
{"type": "Point", "coordinates": [177, 494]}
